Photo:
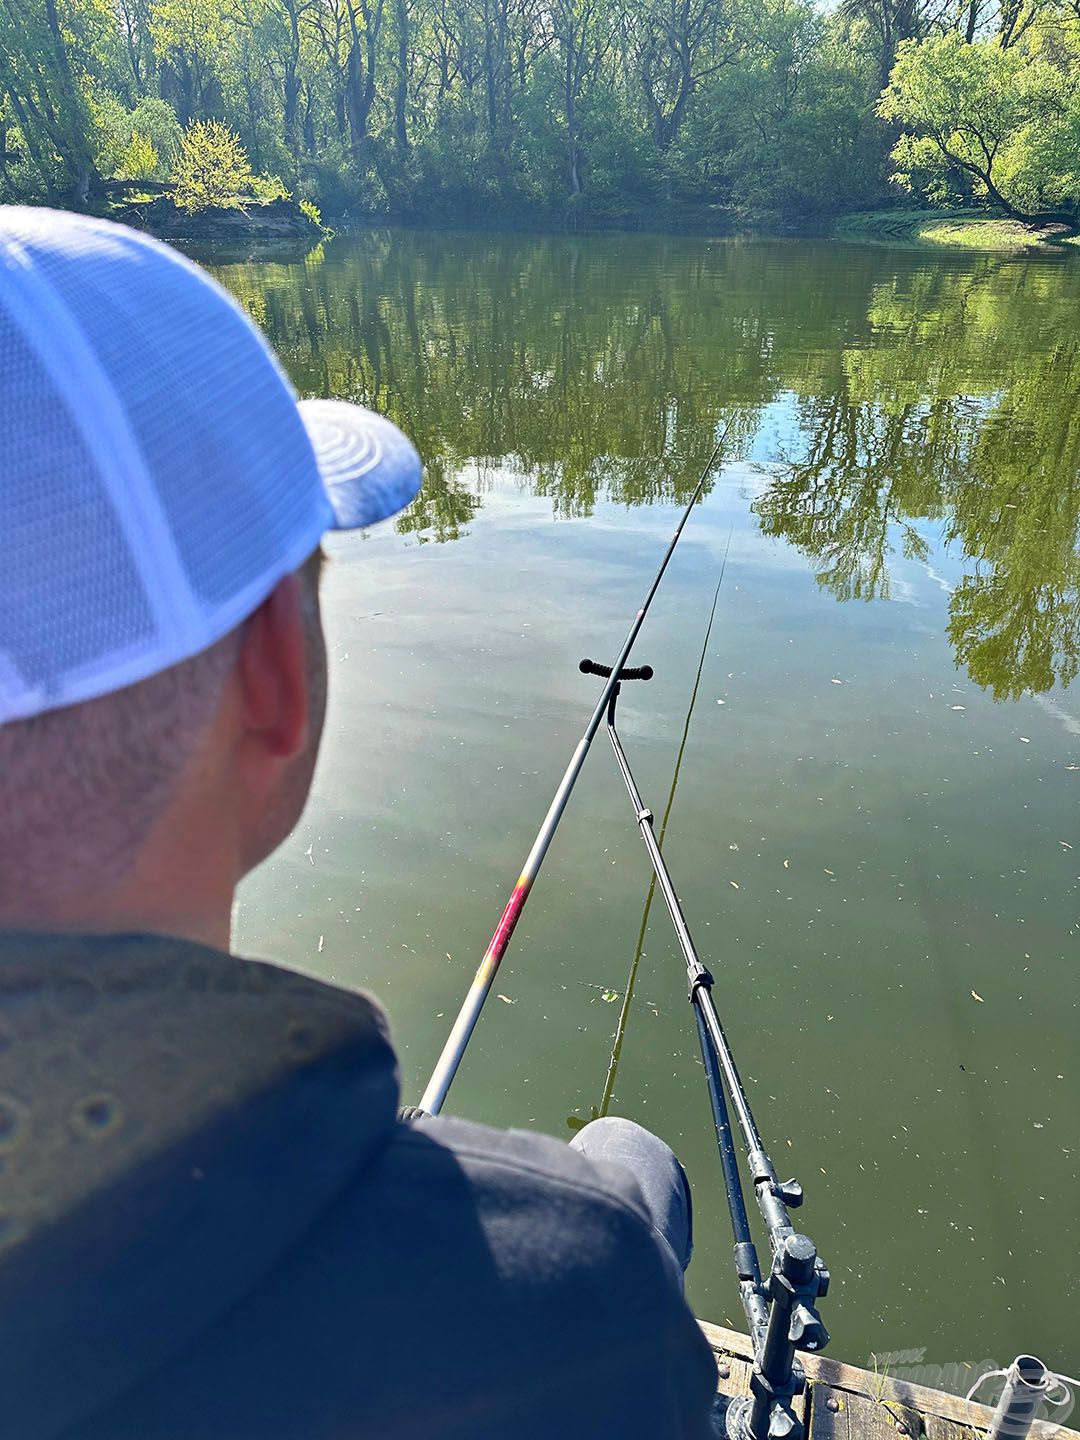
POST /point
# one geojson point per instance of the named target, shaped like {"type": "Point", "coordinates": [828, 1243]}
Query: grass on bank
{"type": "Point", "coordinates": [956, 229]}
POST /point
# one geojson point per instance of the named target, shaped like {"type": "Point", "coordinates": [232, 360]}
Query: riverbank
{"type": "Point", "coordinates": [286, 221]}
{"type": "Point", "coordinates": [952, 229]}
{"type": "Point", "coordinates": [923, 229]}
{"type": "Point", "coordinates": [281, 221]}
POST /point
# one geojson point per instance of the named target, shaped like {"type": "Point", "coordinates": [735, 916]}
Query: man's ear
{"type": "Point", "coordinates": [272, 673]}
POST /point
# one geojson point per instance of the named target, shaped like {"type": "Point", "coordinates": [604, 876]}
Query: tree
{"type": "Point", "coordinates": [212, 168]}
{"type": "Point", "coordinates": [47, 93]}
{"type": "Point", "coordinates": [786, 129]}
{"type": "Point", "coordinates": [892, 22]}
{"type": "Point", "coordinates": [584, 30]}
{"type": "Point", "coordinates": [189, 39]}
{"type": "Point", "coordinates": [678, 45]}
{"type": "Point", "coordinates": [977, 111]}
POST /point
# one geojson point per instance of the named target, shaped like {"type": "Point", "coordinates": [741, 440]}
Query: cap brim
{"type": "Point", "coordinates": [369, 468]}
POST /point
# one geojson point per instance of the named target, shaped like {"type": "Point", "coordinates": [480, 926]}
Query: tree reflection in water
{"type": "Point", "coordinates": [917, 390]}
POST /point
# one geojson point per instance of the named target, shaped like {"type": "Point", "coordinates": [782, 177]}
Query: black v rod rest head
{"type": "Point", "coordinates": [633, 672]}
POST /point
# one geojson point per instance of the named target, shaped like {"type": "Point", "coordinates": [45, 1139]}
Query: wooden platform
{"type": "Point", "coordinates": [846, 1403]}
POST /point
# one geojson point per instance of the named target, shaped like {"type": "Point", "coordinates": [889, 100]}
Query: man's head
{"type": "Point", "coordinates": [163, 495]}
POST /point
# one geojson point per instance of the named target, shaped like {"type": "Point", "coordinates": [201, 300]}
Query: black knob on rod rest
{"type": "Point", "coordinates": [630, 672]}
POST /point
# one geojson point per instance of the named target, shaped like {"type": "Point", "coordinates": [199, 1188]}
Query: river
{"type": "Point", "coordinates": [874, 827]}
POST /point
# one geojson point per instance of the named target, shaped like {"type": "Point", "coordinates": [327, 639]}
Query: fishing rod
{"type": "Point", "coordinates": [780, 1310]}
{"type": "Point", "coordinates": [639, 949]}
{"type": "Point", "coordinates": [446, 1068]}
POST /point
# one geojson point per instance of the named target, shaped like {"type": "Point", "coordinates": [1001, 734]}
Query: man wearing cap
{"type": "Point", "coordinates": [213, 1222]}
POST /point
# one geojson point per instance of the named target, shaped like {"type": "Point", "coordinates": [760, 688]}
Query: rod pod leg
{"type": "Point", "coordinates": [777, 1377]}
{"type": "Point", "coordinates": [781, 1313]}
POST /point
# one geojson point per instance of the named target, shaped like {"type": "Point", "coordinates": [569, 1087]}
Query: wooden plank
{"type": "Point", "coordinates": [921, 1411]}
{"type": "Point", "coordinates": [836, 1415]}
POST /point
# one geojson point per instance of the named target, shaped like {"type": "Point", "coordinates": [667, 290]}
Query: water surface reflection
{"type": "Point", "coordinates": [902, 404]}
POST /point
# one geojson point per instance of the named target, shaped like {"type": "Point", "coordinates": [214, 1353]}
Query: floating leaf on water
{"type": "Point", "coordinates": [309, 855]}
{"type": "Point", "coordinates": [828, 872]}
{"type": "Point", "coordinates": [1066, 844]}
{"type": "Point", "coordinates": [733, 885]}
{"type": "Point", "coordinates": [322, 939]}
{"type": "Point", "coordinates": [610, 996]}
{"type": "Point", "coordinates": [976, 996]}
{"type": "Point", "coordinates": [957, 707]}
{"type": "Point", "coordinates": [1024, 740]}
{"type": "Point", "coordinates": [787, 864]}
{"type": "Point", "coordinates": [836, 682]}
{"type": "Point", "coordinates": [506, 999]}
{"type": "Point", "coordinates": [721, 702]}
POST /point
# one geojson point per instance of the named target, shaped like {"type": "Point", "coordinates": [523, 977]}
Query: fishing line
{"type": "Point", "coordinates": [628, 994]}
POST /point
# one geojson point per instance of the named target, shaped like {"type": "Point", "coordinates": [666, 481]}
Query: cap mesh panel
{"type": "Point", "coordinates": [206, 415]}
{"type": "Point", "coordinates": [71, 593]}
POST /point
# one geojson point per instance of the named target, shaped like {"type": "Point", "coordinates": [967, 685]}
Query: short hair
{"type": "Point", "coordinates": [81, 787]}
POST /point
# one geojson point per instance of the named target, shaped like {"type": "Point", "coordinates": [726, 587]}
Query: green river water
{"type": "Point", "coordinates": [874, 829]}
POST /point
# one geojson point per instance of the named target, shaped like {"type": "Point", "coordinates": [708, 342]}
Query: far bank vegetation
{"type": "Point", "coordinates": [655, 112]}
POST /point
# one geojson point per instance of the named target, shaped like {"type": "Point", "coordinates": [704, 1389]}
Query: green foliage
{"type": "Point", "coordinates": [996, 119]}
{"type": "Point", "coordinates": [265, 188]}
{"type": "Point", "coordinates": [138, 144]}
{"type": "Point", "coordinates": [46, 55]}
{"type": "Point", "coordinates": [312, 211]}
{"type": "Point", "coordinates": [141, 160]}
{"type": "Point", "coordinates": [212, 168]}
{"type": "Point", "coordinates": [788, 131]}
{"type": "Point", "coordinates": [156, 120]}
{"type": "Point", "coordinates": [572, 111]}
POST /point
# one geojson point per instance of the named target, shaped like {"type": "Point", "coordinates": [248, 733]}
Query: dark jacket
{"type": "Point", "coordinates": [213, 1225]}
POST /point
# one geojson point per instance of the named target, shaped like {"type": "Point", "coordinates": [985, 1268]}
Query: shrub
{"type": "Point", "coordinates": [212, 168]}
{"type": "Point", "coordinates": [140, 161]}
{"type": "Point", "coordinates": [265, 188]}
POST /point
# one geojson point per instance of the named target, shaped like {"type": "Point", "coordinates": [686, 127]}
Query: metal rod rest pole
{"type": "Point", "coordinates": [447, 1065]}
{"type": "Point", "coordinates": [760, 1164]}
{"type": "Point", "coordinates": [747, 1267]}
{"type": "Point", "coordinates": [781, 1312]}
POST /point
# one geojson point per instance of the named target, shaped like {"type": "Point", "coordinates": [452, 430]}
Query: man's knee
{"type": "Point", "coordinates": [654, 1165]}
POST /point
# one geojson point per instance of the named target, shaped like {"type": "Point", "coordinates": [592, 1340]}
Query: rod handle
{"type": "Point", "coordinates": [629, 672]}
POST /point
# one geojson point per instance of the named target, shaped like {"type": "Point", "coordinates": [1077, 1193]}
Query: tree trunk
{"type": "Point", "coordinates": [360, 76]}
{"type": "Point", "coordinates": [572, 158]}
{"type": "Point", "coordinates": [310, 145]}
{"type": "Point", "coordinates": [74, 147]}
{"type": "Point", "coordinates": [291, 110]}
{"type": "Point", "coordinates": [401, 87]}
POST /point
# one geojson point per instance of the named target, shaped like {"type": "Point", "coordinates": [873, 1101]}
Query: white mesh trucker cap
{"type": "Point", "coordinates": [157, 475]}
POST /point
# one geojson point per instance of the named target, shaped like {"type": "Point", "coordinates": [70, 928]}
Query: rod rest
{"type": "Point", "coordinates": [630, 672]}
